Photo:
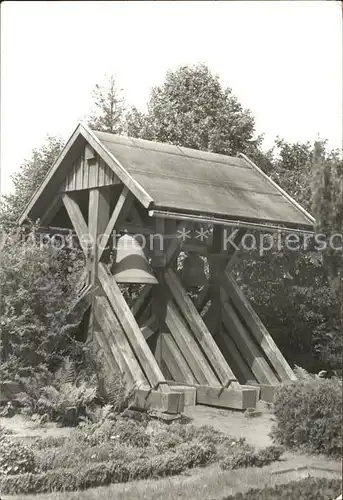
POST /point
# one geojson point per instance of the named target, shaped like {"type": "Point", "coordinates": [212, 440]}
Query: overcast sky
{"type": "Point", "coordinates": [283, 60]}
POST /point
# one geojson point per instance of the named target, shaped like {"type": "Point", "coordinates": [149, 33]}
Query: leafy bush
{"type": "Point", "coordinates": [309, 415]}
{"type": "Point", "coordinates": [131, 433]}
{"type": "Point", "coordinates": [65, 405]}
{"type": "Point", "coordinates": [39, 283]}
{"type": "Point", "coordinates": [68, 456]}
{"type": "Point", "coordinates": [48, 442]}
{"type": "Point", "coordinates": [15, 458]}
{"type": "Point", "coordinates": [203, 433]}
{"type": "Point", "coordinates": [116, 393]}
{"type": "Point", "coordinates": [248, 457]}
{"type": "Point", "coordinates": [109, 472]}
{"type": "Point", "coordinates": [165, 441]}
{"type": "Point", "coordinates": [305, 489]}
{"type": "Point", "coordinates": [122, 431]}
{"type": "Point", "coordinates": [4, 432]}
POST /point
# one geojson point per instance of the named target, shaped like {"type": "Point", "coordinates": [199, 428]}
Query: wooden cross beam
{"type": "Point", "coordinates": [131, 328]}
{"type": "Point", "coordinates": [77, 220]}
{"type": "Point", "coordinates": [175, 361]}
{"type": "Point", "coordinates": [189, 347]}
{"type": "Point", "coordinates": [254, 356]}
{"type": "Point", "coordinates": [124, 201]}
{"type": "Point", "coordinates": [118, 343]}
{"type": "Point", "coordinates": [199, 328]}
{"type": "Point", "coordinates": [257, 328]}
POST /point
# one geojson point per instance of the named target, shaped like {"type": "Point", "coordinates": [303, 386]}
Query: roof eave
{"type": "Point", "coordinates": [220, 219]}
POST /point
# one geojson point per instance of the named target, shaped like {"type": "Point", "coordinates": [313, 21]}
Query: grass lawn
{"type": "Point", "coordinates": [202, 483]}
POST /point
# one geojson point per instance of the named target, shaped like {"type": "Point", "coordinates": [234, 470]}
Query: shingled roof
{"type": "Point", "coordinates": [181, 181]}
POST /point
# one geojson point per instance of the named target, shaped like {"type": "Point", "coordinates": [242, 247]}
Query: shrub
{"type": "Point", "coordinates": [131, 433]}
{"type": "Point", "coordinates": [65, 405]}
{"type": "Point", "coordinates": [38, 285]}
{"type": "Point", "coordinates": [48, 442]}
{"type": "Point", "coordinates": [165, 441]}
{"type": "Point", "coordinates": [4, 432]}
{"type": "Point", "coordinates": [122, 431]}
{"type": "Point", "coordinates": [116, 392]}
{"type": "Point", "coordinates": [68, 456]}
{"type": "Point", "coordinates": [15, 458]}
{"type": "Point", "coordinates": [248, 457]}
{"type": "Point", "coordinates": [203, 433]}
{"type": "Point", "coordinates": [104, 473]}
{"type": "Point", "coordinates": [305, 489]}
{"type": "Point", "coordinates": [309, 415]}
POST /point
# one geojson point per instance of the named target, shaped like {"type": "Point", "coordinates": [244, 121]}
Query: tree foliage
{"type": "Point", "coordinates": [109, 107]}
{"type": "Point", "coordinates": [27, 180]}
{"type": "Point", "coordinates": [192, 109]}
{"type": "Point", "coordinates": [327, 205]}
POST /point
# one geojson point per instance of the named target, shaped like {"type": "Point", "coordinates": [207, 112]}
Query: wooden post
{"type": "Point", "coordinates": [98, 217]}
{"type": "Point", "coordinates": [218, 258]}
{"type": "Point", "coordinates": [159, 291]}
{"type": "Point", "coordinates": [216, 265]}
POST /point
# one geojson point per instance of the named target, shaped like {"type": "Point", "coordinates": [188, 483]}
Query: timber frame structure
{"type": "Point", "coordinates": [166, 347]}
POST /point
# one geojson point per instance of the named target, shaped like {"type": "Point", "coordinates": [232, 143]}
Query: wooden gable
{"type": "Point", "coordinates": [88, 171]}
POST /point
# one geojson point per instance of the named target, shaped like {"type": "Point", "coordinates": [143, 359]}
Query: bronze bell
{"type": "Point", "coordinates": [193, 272]}
{"type": "Point", "coordinates": [131, 264]}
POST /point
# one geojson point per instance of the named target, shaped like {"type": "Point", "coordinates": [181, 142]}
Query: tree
{"type": "Point", "coordinates": [191, 108]}
{"type": "Point", "coordinates": [27, 180]}
{"type": "Point", "coordinates": [292, 169]}
{"type": "Point", "coordinates": [109, 107]}
{"type": "Point", "coordinates": [327, 205]}
{"type": "Point", "coordinates": [291, 289]}
{"type": "Point", "coordinates": [194, 110]}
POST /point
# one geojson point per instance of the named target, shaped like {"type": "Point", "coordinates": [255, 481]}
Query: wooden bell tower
{"type": "Point", "coordinates": [211, 349]}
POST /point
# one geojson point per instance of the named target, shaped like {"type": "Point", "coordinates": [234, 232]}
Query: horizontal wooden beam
{"type": "Point", "coordinates": [134, 229]}
{"type": "Point", "coordinates": [240, 398]}
{"type": "Point", "coordinates": [172, 402]}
